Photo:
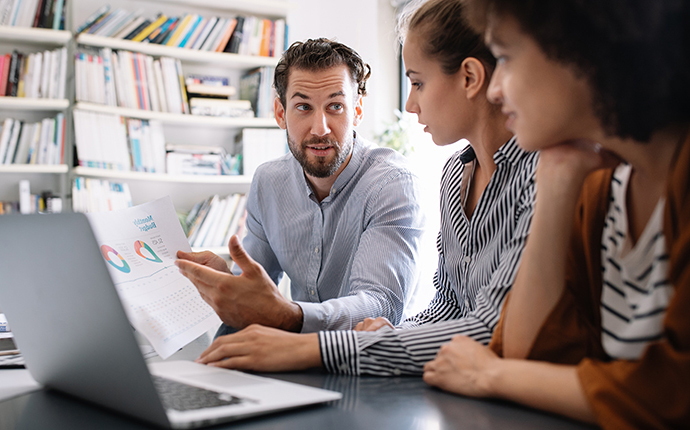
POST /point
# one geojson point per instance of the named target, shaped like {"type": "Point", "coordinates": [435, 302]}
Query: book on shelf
{"type": "Point", "coordinates": [35, 75]}
{"type": "Point", "coordinates": [45, 202]}
{"type": "Point", "coordinates": [40, 142]}
{"type": "Point", "coordinates": [240, 34]}
{"type": "Point", "coordinates": [4, 326]}
{"type": "Point", "coordinates": [209, 85]}
{"type": "Point", "coordinates": [212, 91]}
{"type": "Point", "coordinates": [257, 87]}
{"type": "Point", "coordinates": [130, 80]}
{"type": "Point", "coordinates": [98, 195]}
{"type": "Point", "coordinates": [110, 141]}
{"type": "Point", "coordinates": [33, 13]}
{"type": "Point", "coordinates": [212, 221]}
{"type": "Point", "coordinates": [221, 107]}
{"type": "Point", "coordinates": [258, 145]}
{"type": "Point", "coordinates": [194, 159]}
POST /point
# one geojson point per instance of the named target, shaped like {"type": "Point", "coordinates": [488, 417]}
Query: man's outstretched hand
{"type": "Point", "coordinates": [250, 298]}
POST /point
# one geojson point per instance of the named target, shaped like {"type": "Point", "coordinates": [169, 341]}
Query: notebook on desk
{"type": "Point", "coordinates": [72, 329]}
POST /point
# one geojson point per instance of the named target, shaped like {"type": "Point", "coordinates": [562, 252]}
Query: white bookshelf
{"type": "Point", "coordinates": [54, 169]}
{"type": "Point", "coordinates": [124, 175]}
{"type": "Point", "coordinates": [180, 119]}
{"type": "Point", "coordinates": [185, 129]}
{"type": "Point", "coordinates": [271, 8]}
{"type": "Point", "coordinates": [216, 59]}
{"type": "Point", "coordinates": [42, 177]}
{"type": "Point", "coordinates": [30, 104]}
{"type": "Point", "coordinates": [36, 36]}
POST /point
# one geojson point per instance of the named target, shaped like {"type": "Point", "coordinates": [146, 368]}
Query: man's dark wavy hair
{"type": "Point", "coordinates": [634, 53]}
{"type": "Point", "coordinates": [316, 55]}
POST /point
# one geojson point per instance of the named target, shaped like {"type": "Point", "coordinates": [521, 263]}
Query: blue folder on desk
{"type": "Point", "coordinates": [70, 325]}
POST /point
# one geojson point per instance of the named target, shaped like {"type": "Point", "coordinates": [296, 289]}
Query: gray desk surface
{"type": "Point", "coordinates": [367, 403]}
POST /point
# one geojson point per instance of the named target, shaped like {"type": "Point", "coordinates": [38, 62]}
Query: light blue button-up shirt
{"type": "Point", "coordinates": [351, 256]}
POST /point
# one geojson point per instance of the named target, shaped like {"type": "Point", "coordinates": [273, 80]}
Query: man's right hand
{"type": "Point", "coordinates": [205, 258]}
{"type": "Point", "coordinates": [373, 324]}
{"type": "Point", "coordinates": [250, 298]}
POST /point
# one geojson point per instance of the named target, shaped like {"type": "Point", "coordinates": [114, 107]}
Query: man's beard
{"type": "Point", "coordinates": [322, 167]}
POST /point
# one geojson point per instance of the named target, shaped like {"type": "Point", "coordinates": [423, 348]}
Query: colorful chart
{"type": "Point", "coordinates": [140, 244]}
{"type": "Point", "coordinates": [106, 251]}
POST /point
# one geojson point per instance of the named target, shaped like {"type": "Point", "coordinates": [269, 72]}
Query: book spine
{"type": "Point", "coordinates": [138, 30]}
{"type": "Point", "coordinates": [150, 28]}
{"type": "Point", "coordinates": [165, 32]}
{"type": "Point", "coordinates": [13, 77]}
{"type": "Point", "coordinates": [188, 33]}
{"type": "Point", "coordinates": [89, 21]}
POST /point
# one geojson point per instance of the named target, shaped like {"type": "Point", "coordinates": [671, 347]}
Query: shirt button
{"type": "Point", "coordinates": [467, 259]}
{"type": "Point", "coordinates": [312, 292]}
{"type": "Point", "coordinates": [396, 372]}
{"type": "Point", "coordinates": [316, 250]}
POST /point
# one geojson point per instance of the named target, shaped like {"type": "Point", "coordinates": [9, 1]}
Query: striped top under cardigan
{"type": "Point", "coordinates": [478, 260]}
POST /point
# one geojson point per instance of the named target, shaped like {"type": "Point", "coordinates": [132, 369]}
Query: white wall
{"type": "Point", "coordinates": [367, 26]}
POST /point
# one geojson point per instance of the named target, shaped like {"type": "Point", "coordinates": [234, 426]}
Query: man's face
{"type": "Point", "coordinates": [322, 108]}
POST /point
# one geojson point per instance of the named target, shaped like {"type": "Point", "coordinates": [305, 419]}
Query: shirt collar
{"type": "Point", "coordinates": [510, 152]}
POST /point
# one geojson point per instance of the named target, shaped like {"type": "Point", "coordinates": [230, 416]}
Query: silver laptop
{"type": "Point", "coordinates": [70, 326]}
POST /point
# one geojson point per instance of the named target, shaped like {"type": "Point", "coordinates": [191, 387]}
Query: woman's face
{"type": "Point", "coordinates": [545, 101]}
{"type": "Point", "coordinates": [435, 96]}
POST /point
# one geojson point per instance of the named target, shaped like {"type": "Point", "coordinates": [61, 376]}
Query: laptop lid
{"type": "Point", "coordinates": [67, 318]}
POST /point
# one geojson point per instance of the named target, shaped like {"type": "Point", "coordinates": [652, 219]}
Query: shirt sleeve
{"type": "Point", "coordinates": [443, 307]}
{"type": "Point", "coordinates": [384, 270]}
{"type": "Point", "coordinates": [255, 241]}
{"type": "Point", "coordinates": [405, 351]}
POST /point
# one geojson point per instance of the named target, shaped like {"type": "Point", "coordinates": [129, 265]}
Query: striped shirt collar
{"type": "Point", "coordinates": [358, 154]}
{"type": "Point", "coordinates": [510, 152]}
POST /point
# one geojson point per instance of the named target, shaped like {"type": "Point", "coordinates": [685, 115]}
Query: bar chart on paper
{"type": "Point", "coordinates": [139, 245]}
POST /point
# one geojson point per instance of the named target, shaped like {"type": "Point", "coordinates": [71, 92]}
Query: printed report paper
{"type": "Point", "coordinates": [140, 245]}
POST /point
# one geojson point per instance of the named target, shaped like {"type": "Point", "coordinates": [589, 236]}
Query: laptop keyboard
{"type": "Point", "coordinates": [183, 397]}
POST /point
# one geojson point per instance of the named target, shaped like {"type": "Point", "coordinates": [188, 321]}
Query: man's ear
{"type": "Point", "coordinates": [279, 112]}
{"type": "Point", "coordinates": [358, 110]}
{"type": "Point", "coordinates": [473, 75]}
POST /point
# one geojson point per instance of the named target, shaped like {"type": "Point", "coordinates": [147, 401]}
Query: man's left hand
{"type": "Point", "coordinates": [264, 349]}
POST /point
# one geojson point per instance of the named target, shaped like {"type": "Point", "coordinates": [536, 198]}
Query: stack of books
{"type": "Point", "coordinates": [38, 75]}
{"type": "Point", "coordinates": [33, 143]}
{"type": "Point", "coordinates": [257, 87]}
{"type": "Point", "coordinates": [214, 220]}
{"type": "Point", "coordinates": [246, 35]}
{"type": "Point", "coordinates": [9, 354]}
{"type": "Point", "coordinates": [33, 13]}
{"type": "Point", "coordinates": [211, 96]}
{"type": "Point", "coordinates": [194, 159]}
{"type": "Point", "coordinates": [97, 195]}
{"type": "Point", "coordinates": [131, 80]}
{"type": "Point", "coordinates": [258, 145]}
{"type": "Point", "coordinates": [110, 141]}
{"type": "Point", "coordinates": [45, 202]}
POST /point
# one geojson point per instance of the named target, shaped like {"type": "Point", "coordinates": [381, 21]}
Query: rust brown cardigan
{"type": "Point", "coordinates": [654, 391]}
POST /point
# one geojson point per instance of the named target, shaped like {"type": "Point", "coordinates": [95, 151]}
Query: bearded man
{"type": "Point", "coordinates": [338, 216]}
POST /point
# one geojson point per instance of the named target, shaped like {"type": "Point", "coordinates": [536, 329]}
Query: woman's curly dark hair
{"type": "Point", "coordinates": [634, 53]}
{"type": "Point", "coordinates": [320, 54]}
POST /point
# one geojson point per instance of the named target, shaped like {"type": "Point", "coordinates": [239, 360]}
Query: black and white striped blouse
{"type": "Point", "coordinates": [478, 260]}
{"type": "Point", "coordinates": [636, 290]}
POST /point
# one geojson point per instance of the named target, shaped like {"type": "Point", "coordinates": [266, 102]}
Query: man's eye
{"type": "Point", "coordinates": [336, 106]}
{"type": "Point", "coordinates": [302, 107]}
